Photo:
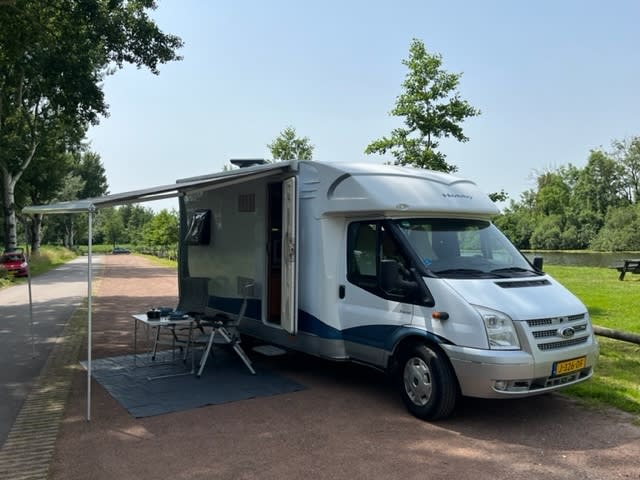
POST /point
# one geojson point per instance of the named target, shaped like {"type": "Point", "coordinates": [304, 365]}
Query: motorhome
{"type": "Point", "coordinates": [397, 268]}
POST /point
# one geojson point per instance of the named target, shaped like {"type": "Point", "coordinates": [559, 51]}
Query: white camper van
{"type": "Point", "coordinates": [397, 268]}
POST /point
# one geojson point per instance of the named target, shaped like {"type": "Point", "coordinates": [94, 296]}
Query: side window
{"type": "Point", "coordinates": [368, 244]}
{"type": "Point", "coordinates": [362, 245]}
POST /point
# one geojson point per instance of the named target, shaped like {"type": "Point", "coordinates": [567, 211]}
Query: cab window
{"type": "Point", "coordinates": [368, 244]}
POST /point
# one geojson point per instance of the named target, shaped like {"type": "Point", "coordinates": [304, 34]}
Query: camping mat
{"type": "Point", "coordinates": [225, 379]}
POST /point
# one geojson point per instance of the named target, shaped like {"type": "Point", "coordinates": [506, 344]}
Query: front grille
{"type": "Point", "coordinates": [537, 322]}
{"type": "Point", "coordinates": [567, 330]}
{"type": "Point", "coordinates": [545, 333]}
{"type": "Point", "coordinates": [554, 332]}
{"type": "Point", "coordinates": [562, 343]}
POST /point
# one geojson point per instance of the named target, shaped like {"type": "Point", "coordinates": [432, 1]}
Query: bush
{"type": "Point", "coordinates": [621, 230]}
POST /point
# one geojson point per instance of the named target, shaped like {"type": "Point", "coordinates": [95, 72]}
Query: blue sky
{"type": "Point", "coordinates": [553, 80]}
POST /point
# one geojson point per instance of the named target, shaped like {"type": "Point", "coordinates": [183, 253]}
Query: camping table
{"type": "Point", "coordinates": [158, 324]}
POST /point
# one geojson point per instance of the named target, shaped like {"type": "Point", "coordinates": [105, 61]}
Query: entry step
{"type": "Point", "coordinates": [269, 350]}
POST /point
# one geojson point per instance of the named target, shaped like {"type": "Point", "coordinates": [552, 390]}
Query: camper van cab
{"type": "Point", "coordinates": [397, 268]}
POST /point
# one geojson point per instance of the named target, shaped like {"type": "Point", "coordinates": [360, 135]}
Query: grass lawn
{"type": "Point", "coordinates": [614, 304]}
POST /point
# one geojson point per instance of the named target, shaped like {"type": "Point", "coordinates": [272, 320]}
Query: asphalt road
{"type": "Point", "coordinates": [24, 348]}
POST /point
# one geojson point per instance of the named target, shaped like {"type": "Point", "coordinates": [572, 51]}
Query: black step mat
{"type": "Point", "coordinates": [225, 379]}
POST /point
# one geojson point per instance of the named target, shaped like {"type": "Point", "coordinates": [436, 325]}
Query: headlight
{"type": "Point", "coordinates": [500, 330]}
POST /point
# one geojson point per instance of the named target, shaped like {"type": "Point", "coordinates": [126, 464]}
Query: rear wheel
{"type": "Point", "coordinates": [427, 383]}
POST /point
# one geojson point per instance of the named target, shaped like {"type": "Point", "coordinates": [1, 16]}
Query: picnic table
{"type": "Point", "coordinates": [631, 266]}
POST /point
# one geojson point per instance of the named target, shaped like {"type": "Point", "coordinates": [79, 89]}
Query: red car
{"type": "Point", "coordinates": [15, 263]}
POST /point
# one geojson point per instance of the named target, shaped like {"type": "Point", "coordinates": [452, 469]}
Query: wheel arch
{"type": "Point", "coordinates": [411, 337]}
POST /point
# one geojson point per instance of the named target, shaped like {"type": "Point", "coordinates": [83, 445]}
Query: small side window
{"type": "Point", "coordinates": [361, 256]}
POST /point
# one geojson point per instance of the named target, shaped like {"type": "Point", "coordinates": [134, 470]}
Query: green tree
{"type": "Point", "coordinates": [621, 231]}
{"type": "Point", "coordinates": [162, 229]}
{"type": "Point", "coordinates": [517, 222]}
{"type": "Point", "coordinates": [288, 146]}
{"type": "Point", "coordinates": [135, 217]}
{"type": "Point", "coordinates": [553, 194]}
{"type": "Point", "coordinates": [86, 178]}
{"type": "Point", "coordinates": [109, 225]}
{"type": "Point", "coordinates": [627, 154]}
{"type": "Point", "coordinates": [599, 185]}
{"type": "Point", "coordinates": [54, 55]}
{"type": "Point", "coordinates": [548, 233]}
{"type": "Point", "coordinates": [432, 109]}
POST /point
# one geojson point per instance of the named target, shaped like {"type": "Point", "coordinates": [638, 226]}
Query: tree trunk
{"type": "Point", "coordinates": [617, 334]}
{"type": "Point", "coordinates": [36, 233]}
{"type": "Point", "coordinates": [8, 200]}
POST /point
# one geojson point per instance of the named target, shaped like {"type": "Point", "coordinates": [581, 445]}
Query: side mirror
{"type": "Point", "coordinates": [391, 281]}
{"type": "Point", "coordinates": [537, 263]}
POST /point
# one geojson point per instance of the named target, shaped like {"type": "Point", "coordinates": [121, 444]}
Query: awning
{"type": "Point", "coordinates": [164, 191]}
{"type": "Point", "coordinates": [181, 187]}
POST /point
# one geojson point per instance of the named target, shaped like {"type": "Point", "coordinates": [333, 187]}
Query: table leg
{"type": "Point", "coordinates": [135, 341]}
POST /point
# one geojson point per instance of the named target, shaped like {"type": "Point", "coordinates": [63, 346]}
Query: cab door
{"type": "Point", "coordinates": [369, 316]}
{"type": "Point", "coordinates": [289, 295]}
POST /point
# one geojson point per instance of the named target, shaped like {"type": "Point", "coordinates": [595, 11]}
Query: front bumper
{"type": "Point", "coordinates": [512, 374]}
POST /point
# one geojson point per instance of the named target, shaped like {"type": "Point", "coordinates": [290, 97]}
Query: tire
{"type": "Point", "coordinates": [427, 383]}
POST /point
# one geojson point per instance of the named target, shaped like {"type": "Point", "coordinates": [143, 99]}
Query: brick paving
{"type": "Point", "coordinates": [28, 451]}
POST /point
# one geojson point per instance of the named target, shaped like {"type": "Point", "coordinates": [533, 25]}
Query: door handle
{"type": "Point", "coordinates": [341, 292]}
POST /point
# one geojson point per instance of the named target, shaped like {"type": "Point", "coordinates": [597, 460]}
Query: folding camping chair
{"type": "Point", "coordinates": [194, 295]}
{"type": "Point", "coordinates": [224, 331]}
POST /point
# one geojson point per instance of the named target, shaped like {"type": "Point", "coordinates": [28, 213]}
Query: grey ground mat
{"type": "Point", "coordinates": [225, 379]}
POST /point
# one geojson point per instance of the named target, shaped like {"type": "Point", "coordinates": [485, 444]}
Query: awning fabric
{"type": "Point", "coordinates": [163, 191]}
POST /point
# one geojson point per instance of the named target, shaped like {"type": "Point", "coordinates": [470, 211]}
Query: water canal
{"type": "Point", "coordinates": [582, 259]}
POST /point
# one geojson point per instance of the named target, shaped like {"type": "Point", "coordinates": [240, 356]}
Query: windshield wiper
{"type": "Point", "coordinates": [467, 271]}
{"type": "Point", "coordinates": [515, 270]}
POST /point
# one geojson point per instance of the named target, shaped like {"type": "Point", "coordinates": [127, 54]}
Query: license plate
{"type": "Point", "coordinates": [568, 366]}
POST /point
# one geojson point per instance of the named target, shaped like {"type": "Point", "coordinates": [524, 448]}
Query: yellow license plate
{"type": "Point", "coordinates": [568, 366]}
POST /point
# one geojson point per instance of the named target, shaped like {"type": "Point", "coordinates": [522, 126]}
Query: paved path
{"type": "Point", "coordinates": [24, 350]}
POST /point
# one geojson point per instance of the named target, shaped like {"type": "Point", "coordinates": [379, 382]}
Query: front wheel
{"type": "Point", "coordinates": [427, 383]}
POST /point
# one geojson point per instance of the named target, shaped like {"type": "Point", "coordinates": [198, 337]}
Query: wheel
{"type": "Point", "coordinates": [427, 383]}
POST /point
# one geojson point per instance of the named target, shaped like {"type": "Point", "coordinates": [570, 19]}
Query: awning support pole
{"type": "Point", "coordinates": [89, 310]}
{"type": "Point", "coordinates": [28, 258]}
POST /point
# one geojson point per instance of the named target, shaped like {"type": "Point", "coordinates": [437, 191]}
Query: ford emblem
{"type": "Point", "coordinates": [567, 332]}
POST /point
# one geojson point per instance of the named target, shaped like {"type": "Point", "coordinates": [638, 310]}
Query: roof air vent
{"type": "Point", "coordinates": [247, 162]}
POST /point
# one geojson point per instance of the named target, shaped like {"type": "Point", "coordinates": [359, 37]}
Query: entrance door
{"type": "Point", "coordinates": [289, 306]}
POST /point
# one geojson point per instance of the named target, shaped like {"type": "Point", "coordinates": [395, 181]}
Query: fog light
{"type": "Point", "coordinates": [500, 385]}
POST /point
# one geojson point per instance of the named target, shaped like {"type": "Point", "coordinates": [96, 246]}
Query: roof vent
{"type": "Point", "coordinates": [247, 162]}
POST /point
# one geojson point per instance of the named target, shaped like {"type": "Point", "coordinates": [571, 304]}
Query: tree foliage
{"type": "Point", "coordinates": [109, 226]}
{"type": "Point", "coordinates": [575, 208]}
{"type": "Point", "coordinates": [162, 230]}
{"type": "Point", "coordinates": [431, 108]}
{"type": "Point", "coordinates": [85, 177]}
{"type": "Point", "coordinates": [54, 55]}
{"type": "Point", "coordinates": [288, 146]}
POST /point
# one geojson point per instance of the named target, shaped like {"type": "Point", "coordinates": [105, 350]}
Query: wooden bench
{"type": "Point", "coordinates": [631, 266]}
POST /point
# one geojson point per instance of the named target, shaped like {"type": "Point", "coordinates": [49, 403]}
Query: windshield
{"type": "Point", "coordinates": [459, 248]}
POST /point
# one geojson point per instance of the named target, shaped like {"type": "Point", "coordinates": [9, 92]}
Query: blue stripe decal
{"type": "Point", "coordinates": [310, 324]}
{"type": "Point", "coordinates": [392, 340]}
{"type": "Point", "coordinates": [371, 335]}
{"type": "Point", "coordinates": [379, 336]}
